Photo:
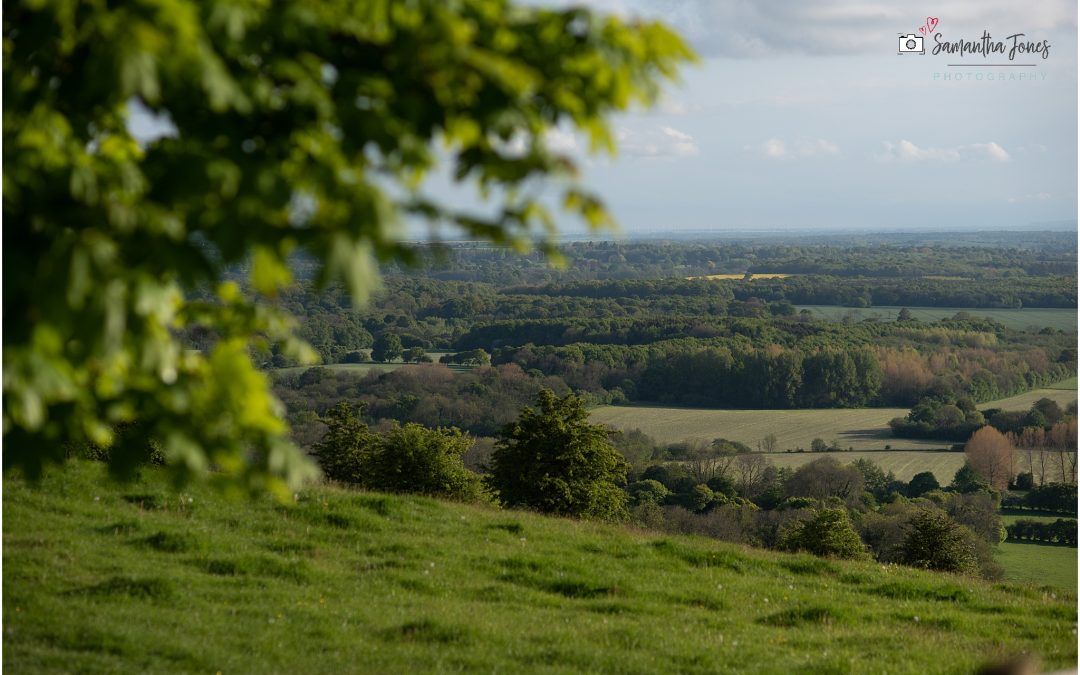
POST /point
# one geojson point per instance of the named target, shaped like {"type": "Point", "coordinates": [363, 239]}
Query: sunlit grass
{"type": "Point", "coordinates": [139, 578]}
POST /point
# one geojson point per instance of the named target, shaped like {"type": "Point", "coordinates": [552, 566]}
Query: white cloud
{"type": "Point", "coordinates": [775, 148]}
{"type": "Point", "coordinates": [663, 141]}
{"type": "Point", "coordinates": [992, 150]}
{"type": "Point", "coordinates": [906, 151]}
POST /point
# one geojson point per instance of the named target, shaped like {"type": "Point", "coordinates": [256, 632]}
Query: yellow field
{"type": "Point", "coordinates": [860, 428]}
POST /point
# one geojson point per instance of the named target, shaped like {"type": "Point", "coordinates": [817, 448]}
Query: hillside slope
{"type": "Point", "coordinates": [137, 578]}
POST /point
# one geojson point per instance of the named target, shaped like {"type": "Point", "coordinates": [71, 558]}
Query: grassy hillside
{"type": "Point", "coordinates": [141, 579]}
{"type": "Point", "coordinates": [858, 428]}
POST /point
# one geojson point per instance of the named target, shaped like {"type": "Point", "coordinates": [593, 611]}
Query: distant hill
{"type": "Point", "coordinates": [139, 578]}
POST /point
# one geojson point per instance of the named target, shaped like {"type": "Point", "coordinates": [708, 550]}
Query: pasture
{"type": "Point", "coordinates": [137, 578]}
{"type": "Point", "coordinates": [1019, 319]}
{"type": "Point", "coordinates": [1039, 564]}
{"type": "Point", "coordinates": [857, 428]}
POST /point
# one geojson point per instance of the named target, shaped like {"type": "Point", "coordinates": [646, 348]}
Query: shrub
{"type": "Point", "coordinates": [828, 532]}
{"type": "Point", "coordinates": [409, 458]}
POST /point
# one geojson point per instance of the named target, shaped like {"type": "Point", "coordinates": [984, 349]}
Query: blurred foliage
{"type": "Point", "coordinates": [285, 126]}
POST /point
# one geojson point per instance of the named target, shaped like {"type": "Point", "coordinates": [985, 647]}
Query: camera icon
{"type": "Point", "coordinates": [910, 44]}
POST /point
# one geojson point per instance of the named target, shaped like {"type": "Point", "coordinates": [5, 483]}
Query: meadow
{"type": "Point", "coordinates": [1044, 564]}
{"type": "Point", "coordinates": [140, 578]}
{"type": "Point", "coordinates": [857, 428]}
{"type": "Point", "coordinates": [1019, 319]}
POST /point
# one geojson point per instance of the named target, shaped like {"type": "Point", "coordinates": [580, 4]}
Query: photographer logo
{"type": "Point", "coordinates": [910, 44]}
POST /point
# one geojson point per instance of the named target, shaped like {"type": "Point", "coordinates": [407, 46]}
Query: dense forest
{"type": "Point", "coordinates": [720, 342]}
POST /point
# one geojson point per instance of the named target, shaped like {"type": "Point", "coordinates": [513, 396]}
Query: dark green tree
{"type": "Point", "coordinates": [647, 490]}
{"type": "Point", "coordinates": [387, 348]}
{"type": "Point", "coordinates": [967, 480]}
{"type": "Point", "coordinates": [935, 541]}
{"type": "Point", "coordinates": [299, 125]}
{"type": "Point", "coordinates": [415, 355]}
{"type": "Point", "coordinates": [554, 461]}
{"type": "Point", "coordinates": [921, 483]}
{"type": "Point", "coordinates": [345, 452]}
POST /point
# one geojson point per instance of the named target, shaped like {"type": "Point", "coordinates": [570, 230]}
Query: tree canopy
{"type": "Point", "coordinates": [552, 460]}
{"type": "Point", "coordinates": [281, 127]}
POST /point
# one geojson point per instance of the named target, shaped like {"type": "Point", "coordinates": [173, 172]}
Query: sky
{"type": "Point", "coordinates": [802, 115]}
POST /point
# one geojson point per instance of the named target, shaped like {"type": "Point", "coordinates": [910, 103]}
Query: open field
{"type": "Point", "coordinates": [1042, 564]}
{"type": "Point", "coordinates": [1068, 385]}
{"type": "Point", "coordinates": [1038, 516]}
{"type": "Point", "coordinates": [904, 464]}
{"type": "Point", "coordinates": [1024, 401]}
{"type": "Point", "coordinates": [138, 578]}
{"type": "Point", "coordinates": [858, 428]}
{"type": "Point", "coordinates": [1020, 319]}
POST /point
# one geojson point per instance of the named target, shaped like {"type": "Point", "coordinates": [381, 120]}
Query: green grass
{"type": "Point", "coordinates": [1044, 564]}
{"type": "Point", "coordinates": [858, 428]}
{"type": "Point", "coordinates": [1068, 385]}
{"type": "Point", "coordinates": [1034, 562]}
{"type": "Point", "coordinates": [1020, 319]}
{"type": "Point", "coordinates": [140, 579]}
{"type": "Point", "coordinates": [1038, 516]}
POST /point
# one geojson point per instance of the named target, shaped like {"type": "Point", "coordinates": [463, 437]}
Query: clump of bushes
{"type": "Point", "coordinates": [410, 458]}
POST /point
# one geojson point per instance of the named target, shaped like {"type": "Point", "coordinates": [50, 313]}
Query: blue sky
{"type": "Point", "coordinates": [802, 115]}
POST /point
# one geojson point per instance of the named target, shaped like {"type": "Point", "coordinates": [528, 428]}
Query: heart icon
{"type": "Point", "coordinates": [931, 23]}
{"type": "Point", "coordinates": [922, 29]}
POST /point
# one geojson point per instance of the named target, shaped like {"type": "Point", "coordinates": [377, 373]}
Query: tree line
{"type": "Point", "coordinates": [1058, 532]}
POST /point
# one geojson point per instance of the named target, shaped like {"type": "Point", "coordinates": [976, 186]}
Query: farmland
{"type": "Point", "coordinates": [1040, 564]}
{"type": "Point", "coordinates": [100, 577]}
{"type": "Point", "coordinates": [904, 464]}
{"type": "Point", "coordinates": [857, 428]}
{"type": "Point", "coordinates": [1020, 319]}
